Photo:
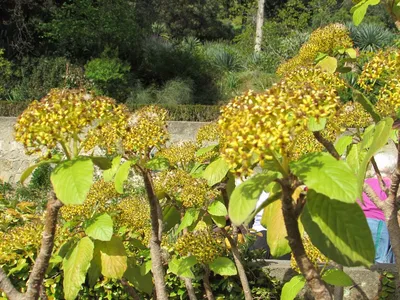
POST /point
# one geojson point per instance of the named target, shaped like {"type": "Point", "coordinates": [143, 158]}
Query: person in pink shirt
{"type": "Point", "coordinates": [386, 163]}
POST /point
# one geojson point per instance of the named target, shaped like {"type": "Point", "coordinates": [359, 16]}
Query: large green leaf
{"type": "Point", "coordinates": [207, 149]}
{"type": "Point", "coordinates": [75, 265]}
{"type": "Point", "coordinates": [337, 277]}
{"type": "Point", "coordinates": [94, 271]}
{"type": "Point", "coordinates": [219, 221]}
{"type": "Point", "coordinates": [30, 169]}
{"type": "Point", "coordinates": [189, 218]}
{"type": "Point", "coordinates": [272, 219]}
{"type": "Point", "coordinates": [216, 171]}
{"type": "Point", "coordinates": [381, 135]}
{"type": "Point", "coordinates": [223, 266]}
{"type": "Point", "coordinates": [143, 283]}
{"type": "Point", "coordinates": [108, 175]}
{"type": "Point", "coordinates": [122, 175]}
{"type": "Point", "coordinates": [355, 157]}
{"type": "Point", "coordinates": [101, 228]}
{"type": "Point", "coordinates": [338, 229]}
{"type": "Point", "coordinates": [182, 267]}
{"type": "Point", "coordinates": [316, 125]}
{"type": "Point", "coordinates": [72, 180]}
{"type": "Point", "coordinates": [217, 208]}
{"type": "Point", "coordinates": [113, 258]}
{"type": "Point", "coordinates": [326, 175]}
{"type": "Point", "coordinates": [245, 196]}
{"type": "Point", "coordinates": [293, 287]}
{"type": "Point", "coordinates": [360, 9]}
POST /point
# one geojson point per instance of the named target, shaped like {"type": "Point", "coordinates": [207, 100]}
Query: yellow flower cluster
{"type": "Point", "coordinates": [108, 133]}
{"type": "Point", "coordinates": [384, 65]}
{"type": "Point", "coordinates": [208, 133]}
{"type": "Point", "coordinates": [325, 40]}
{"type": "Point", "coordinates": [203, 244]}
{"type": "Point", "coordinates": [253, 125]}
{"type": "Point", "coordinates": [59, 117]}
{"type": "Point", "coordinates": [389, 99]}
{"type": "Point", "coordinates": [315, 256]}
{"type": "Point", "coordinates": [20, 241]}
{"type": "Point", "coordinates": [179, 155]}
{"type": "Point", "coordinates": [181, 186]}
{"type": "Point", "coordinates": [134, 213]}
{"type": "Point", "coordinates": [147, 128]}
{"type": "Point", "coordinates": [98, 200]}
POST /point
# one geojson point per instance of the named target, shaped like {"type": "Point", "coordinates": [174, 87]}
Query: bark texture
{"type": "Point", "coordinates": [206, 284]}
{"type": "Point", "coordinates": [155, 240]}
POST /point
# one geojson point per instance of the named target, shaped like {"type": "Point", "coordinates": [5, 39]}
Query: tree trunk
{"type": "Point", "coordinates": [259, 25]}
{"type": "Point", "coordinates": [155, 240]}
{"type": "Point", "coordinates": [314, 281]}
{"type": "Point", "coordinates": [189, 288]}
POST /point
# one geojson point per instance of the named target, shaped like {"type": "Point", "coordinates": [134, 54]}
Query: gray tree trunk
{"type": "Point", "coordinates": [259, 25]}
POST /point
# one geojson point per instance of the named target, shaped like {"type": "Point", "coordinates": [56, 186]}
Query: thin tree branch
{"type": "Point", "coordinates": [313, 278]}
{"type": "Point", "coordinates": [189, 288]}
{"type": "Point", "coordinates": [378, 174]}
{"type": "Point", "coordinates": [8, 288]}
{"type": "Point", "coordinates": [239, 265]}
{"type": "Point", "coordinates": [206, 283]}
{"type": "Point", "coordinates": [129, 289]}
{"type": "Point", "coordinates": [42, 261]}
{"type": "Point", "coordinates": [327, 144]}
{"type": "Point", "coordinates": [373, 196]}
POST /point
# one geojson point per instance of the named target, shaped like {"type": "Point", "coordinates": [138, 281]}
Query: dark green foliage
{"type": "Point", "coordinates": [371, 37]}
{"type": "Point", "coordinates": [41, 178]}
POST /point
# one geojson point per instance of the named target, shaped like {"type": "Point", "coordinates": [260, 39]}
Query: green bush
{"type": "Point", "coordinates": [176, 92]}
{"type": "Point", "coordinates": [371, 37]}
{"type": "Point", "coordinates": [12, 109]}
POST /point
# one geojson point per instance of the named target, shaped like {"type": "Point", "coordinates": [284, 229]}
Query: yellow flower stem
{"type": "Point", "coordinates": [75, 141]}
{"type": "Point", "coordinates": [66, 150]}
{"type": "Point", "coordinates": [283, 168]}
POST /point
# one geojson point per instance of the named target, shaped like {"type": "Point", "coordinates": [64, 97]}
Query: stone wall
{"type": "Point", "coordinates": [13, 160]}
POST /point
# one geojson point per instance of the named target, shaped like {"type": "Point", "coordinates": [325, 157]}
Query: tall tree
{"type": "Point", "coordinates": [259, 25]}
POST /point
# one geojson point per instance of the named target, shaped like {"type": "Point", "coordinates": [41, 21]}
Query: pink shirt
{"type": "Point", "coordinates": [369, 208]}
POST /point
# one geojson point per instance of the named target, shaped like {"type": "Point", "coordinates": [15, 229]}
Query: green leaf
{"type": "Point", "coordinates": [143, 283]}
{"type": "Point", "coordinates": [342, 143]}
{"type": "Point", "coordinates": [245, 196]}
{"type": "Point", "coordinates": [223, 266]}
{"type": "Point", "coordinates": [76, 265]}
{"type": "Point", "coordinates": [122, 175]}
{"type": "Point", "coordinates": [217, 208]}
{"type": "Point", "coordinates": [102, 162]}
{"type": "Point", "coordinates": [108, 175]}
{"type": "Point", "coordinates": [171, 217]}
{"type": "Point", "coordinates": [113, 258]}
{"type": "Point", "coordinates": [293, 287]}
{"type": "Point", "coordinates": [316, 125]}
{"type": "Point", "coordinates": [381, 135]}
{"type": "Point", "coordinates": [101, 228]}
{"type": "Point", "coordinates": [158, 163]}
{"type": "Point", "coordinates": [360, 9]}
{"type": "Point", "coordinates": [355, 157]}
{"type": "Point", "coordinates": [72, 180]}
{"type": "Point", "coordinates": [368, 106]}
{"type": "Point", "coordinates": [174, 267]}
{"type": "Point", "coordinates": [326, 175]}
{"type": "Point", "coordinates": [145, 267]}
{"type": "Point", "coordinates": [189, 218]}
{"type": "Point", "coordinates": [328, 64]}
{"type": "Point", "coordinates": [205, 150]}
{"type": "Point", "coordinates": [339, 230]}
{"type": "Point", "coordinates": [272, 219]}
{"type": "Point", "coordinates": [352, 53]}
{"type": "Point", "coordinates": [337, 277]}
{"type": "Point", "coordinates": [219, 221]}
{"type": "Point", "coordinates": [94, 271]}
{"type": "Point", "coordinates": [30, 169]}
{"type": "Point", "coordinates": [216, 171]}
